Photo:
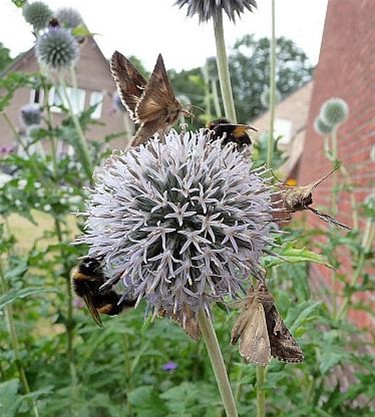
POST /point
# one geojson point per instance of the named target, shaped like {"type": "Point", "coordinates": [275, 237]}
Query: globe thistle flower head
{"type": "Point", "coordinates": [31, 115]}
{"type": "Point", "coordinates": [334, 111]}
{"type": "Point", "coordinates": [321, 127]}
{"type": "Point", "coordinates": [182, 223]}
{"type": "Point", "coordinates": [38, 14]}
{"type": "Point", "coordinates": [207, 9]}
{"type": "Point", "coordinates": [69, 17]}
{"type": "Point", "coordinates": [57, 49]}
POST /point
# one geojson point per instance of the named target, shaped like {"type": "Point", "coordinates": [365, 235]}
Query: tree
{"type": "Point", "coordinates": [5, 58]}
{"type": "Point", "coordinates": [249, 66]}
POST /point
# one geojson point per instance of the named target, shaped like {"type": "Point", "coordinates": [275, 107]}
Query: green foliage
{"type": "Point", "coordinates": [5, 58]}
{"type": "Point", "coordinates": [249, 65]}
{"type": "Point", "coordinates": [76, 369]}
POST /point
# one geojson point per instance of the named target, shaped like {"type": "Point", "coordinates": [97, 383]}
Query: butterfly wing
{"type": "Point", "coordinates": [283, 345]}
{"type": "Point", "coordinates": [158, 101]}
{"type": "Point", "coordinates": [144, 132]}
{"type": "Point", "coordinates": [186, 319]}
{"type": "Point", "coordinates": [129, 82]}
{"type": "Point", "coordinates": [251, 329]}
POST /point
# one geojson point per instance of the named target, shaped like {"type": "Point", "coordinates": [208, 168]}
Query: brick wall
{"type": "Point", "coordinates": [346, 69]}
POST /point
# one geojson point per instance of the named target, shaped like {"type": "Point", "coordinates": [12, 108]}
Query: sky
{"type": "Point", "coordinates": [145, 28]}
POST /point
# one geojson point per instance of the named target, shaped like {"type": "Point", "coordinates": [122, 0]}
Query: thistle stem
{"type": "Point", "coordinates": [261, 393]}
{"type": "Point", "coordinates": [272, 88]}
{"type": "Point", "coordinates": [223, 68]}
{"type": "Point", "coordinates": [81, 142]}
{"type": "Point", "coordinates": [207, 95]}
{"type": "Point", "coordinates": [50, 128]}
{"type": "Point", "coordinates": [217, 363]}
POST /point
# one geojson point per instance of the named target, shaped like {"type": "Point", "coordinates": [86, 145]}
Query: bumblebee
{"type": "Point", "coordinates": [231, 132]}
{"type": "Point", "coordinates": [88, 279]}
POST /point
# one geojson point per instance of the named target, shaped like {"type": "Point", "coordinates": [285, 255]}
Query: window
{"type": "Point", "coordinates": [76, 99]}
{"type": "Point", "coordinates": [96, 98]}
{"type": "Point", "coordinates": [36, 96]}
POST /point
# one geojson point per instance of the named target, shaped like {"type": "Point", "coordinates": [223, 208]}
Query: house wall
{"type": "Point", "coordinates": [346, 69]}
{"type": "Point", "coordinates": [294, 108]}
{"type": "Point", "coordinates": [92, 72]}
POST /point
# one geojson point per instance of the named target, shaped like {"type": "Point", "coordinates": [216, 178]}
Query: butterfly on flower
{"type": "Point", "coordinates": [151, 104]}
{"type": "Point", "coordinates": [262, 332]}
{"type": "Point", "coordinates": [298, 198]}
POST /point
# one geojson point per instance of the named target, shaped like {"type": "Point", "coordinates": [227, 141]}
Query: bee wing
{"type": "Point", "coordinates": [251, 329]}
{"type": "Point", "coordinates": [129, 82]}
{"type": "Point", "coordinates": [158, 97]}
{"type": "Point", "coordinates": [92, 309]}
{"type": "Point", "coordinates": [283, 345]}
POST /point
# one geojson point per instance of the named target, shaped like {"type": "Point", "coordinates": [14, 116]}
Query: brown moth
{"type": "Point", "coordinates": [152, 105]}
{"type": "Point", "coordinates": [262, 332]}
{"type": "Point", "coordinates": [186, 319]}
{"type": "Point", "coordinates": [298, 198]}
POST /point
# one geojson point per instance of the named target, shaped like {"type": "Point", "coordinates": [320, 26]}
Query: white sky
{"type": "Point", "coordinates": [146, 27]}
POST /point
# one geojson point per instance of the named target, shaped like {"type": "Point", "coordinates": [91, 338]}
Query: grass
{"type": "Point", "coordinates": [28, 233]}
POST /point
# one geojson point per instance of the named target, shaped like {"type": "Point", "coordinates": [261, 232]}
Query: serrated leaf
{"type": "Point", "coordinates": [82, 31]}
{"type": "Point", "coordinates": [14, 295]}
{"type": "Point", "coordinates": [294, 256]}
{"type": "Point", "coordinates": [10, 400]}
{"type": "Point", "coordinates": [147, 402]}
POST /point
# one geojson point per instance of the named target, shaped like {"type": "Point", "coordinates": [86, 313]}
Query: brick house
{"type": "Point", "coordinates": [94, 85]}
{"type": "Point", "coordinates": [291, 116]}
{"type": "Point", "coordinates": [346, 69]}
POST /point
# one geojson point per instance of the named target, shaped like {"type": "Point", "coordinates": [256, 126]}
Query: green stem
{"type": "Point", "coordinates": [50, 128]}
{"type": "Point", "coordinates": [81, 142]}
{"type": "Point", "coordinates": [215, 97]}
{"type": "Point", "coordinates": [15, 345]}
{"type": "Point", "coordinates": [368, 239]}
{"type": "Point", "coordinates": [261, 393]}
{"type": "Point", "coordinates": [128, 372]}
{"type": "Point", "coordinates": [70, 323]}
{"type": "Point", "coordinates": [207, 96]}
{"type": "Point", "coordinates": [217, 363]}
{"type": "Point", "coordinates": [223, 68]}
{"type": "Point", "coordinates": [238, 392]}
{"type": "Point", "coordinates": [272, 90]}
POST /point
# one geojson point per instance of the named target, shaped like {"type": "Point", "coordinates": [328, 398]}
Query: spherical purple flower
{"type": "Point", "coordinates": [206, 9]}
{"type": "Point", "coordinates": [170, 366]}
{"type": "Point", "coordinates": [182, 223]}
{"type": "Point", "coordinates": [69, 17]}
{"type": "Point", "coordinates": [321, 127]}
{"type": "Point", "coordinates": [31, 114]}
{"type": "Point", "coordinates": [57, 49]}
{"type": "Point", "coordinates": [334, 111]}
{"type": "Point", "coordinates": [38, 14]}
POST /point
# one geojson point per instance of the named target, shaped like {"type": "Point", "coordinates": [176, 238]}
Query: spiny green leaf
{"type": "Point", "coordinates": [294, 256]}
{"type": "Point", "coordinates": [14, 295]}
{"type": "Point", "coordinates": [10, 400]}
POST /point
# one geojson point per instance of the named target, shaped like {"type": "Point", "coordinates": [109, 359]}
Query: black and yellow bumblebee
{"type": "Point", "coordinates": [232, 132]}
{"type": "Point", "coordinates": [88, 279]}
